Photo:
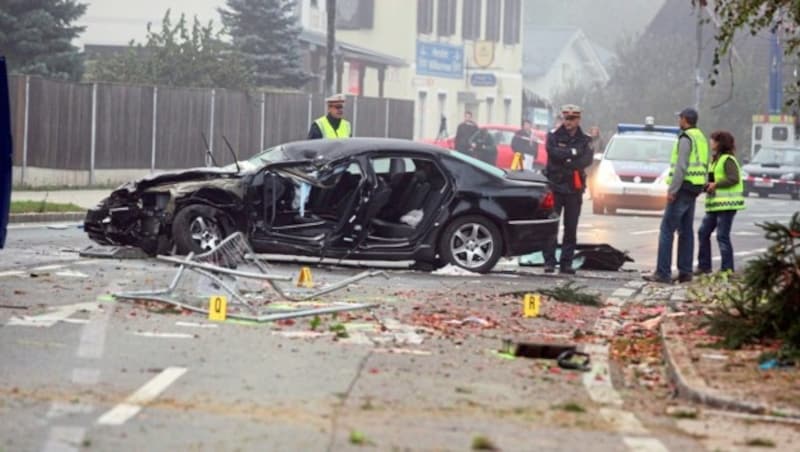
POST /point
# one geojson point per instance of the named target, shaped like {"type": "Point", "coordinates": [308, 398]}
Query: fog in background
{"type": "Point", "coordinates": [117, 22]}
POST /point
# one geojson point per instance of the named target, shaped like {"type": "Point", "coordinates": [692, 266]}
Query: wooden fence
{"type": "Point", "coordinates": [74, 126]}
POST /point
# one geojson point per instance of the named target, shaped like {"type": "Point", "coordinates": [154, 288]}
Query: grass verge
{"type": "Point", "coordinates": [43, 207]}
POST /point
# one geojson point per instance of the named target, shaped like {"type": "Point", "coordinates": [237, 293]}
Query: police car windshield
{"type": "Point", "coordinates": [640, 149]}
{"type": "Point", "coordinates": [779, 156]}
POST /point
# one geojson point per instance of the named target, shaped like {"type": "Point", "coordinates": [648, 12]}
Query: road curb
{"type": "Point", "coordinates": [690, 384]}
{"type": "Point", "coordinates": [45, 217]}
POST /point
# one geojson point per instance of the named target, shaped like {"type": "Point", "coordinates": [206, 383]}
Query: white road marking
{"type": "Point", "coordinates": [76, 321]}
{"type": "Point", "coordinates": [59, 409]}
{"type": "Point", "coordinates": [644, 444]}
{"type": "Point", "coordinates": [747, 233]}
{"type": "Point", "coordinates": [93, 337]}
{"type": "Point", "coordinates": [64, 439]}
{"type": "Point", "coordinates": [45, 268]}
{"type": "Point", "coordinates": [196, 325]}
{"type": "Point", "coordinates": [649, 231]}
{"type": "Point", "coordinates": [38, 225]}
{"type": "Point", "coordinates": [56, 315]}
{"type": "Point", "coordinates": [146, 394]}
{"type": "Point", "coordinates": [72, 274]}
{"type": "Point", "coordinates": [85, 376]}
{"type": "Point", "coordinates": [598, 381]}
{"type": "Point", "coordinates": [743, 253]}
{"type": "Point", "coordinates": [163, 335]}
{"type": "Point", "coordinates": [11, 273]}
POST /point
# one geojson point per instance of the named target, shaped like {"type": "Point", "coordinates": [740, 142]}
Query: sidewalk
{"type": "Point", "coordinates": [85, 199]}
{"type": "Point", "coordinates": [719, 378]}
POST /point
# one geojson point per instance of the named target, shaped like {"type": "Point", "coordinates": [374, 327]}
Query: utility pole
{"type": "Point", "coordinates": [698, 72]}
{"type": "Point", "coordinates": [775, 75]}
{"type": "Point", "coordinates": [330, 63]}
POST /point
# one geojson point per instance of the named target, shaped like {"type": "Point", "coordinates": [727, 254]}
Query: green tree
{"type": "Point", "coordinates": [267, 34]}
{"type": "Point", "coordinates": [36, 37]}
{"type": "Point", "coordinates": [732, 17]}
{"type": "Point", "coordinates": [177, 56]}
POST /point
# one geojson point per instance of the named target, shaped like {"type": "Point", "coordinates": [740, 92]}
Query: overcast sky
{"type": "Point", "coordinates": [119, 21]}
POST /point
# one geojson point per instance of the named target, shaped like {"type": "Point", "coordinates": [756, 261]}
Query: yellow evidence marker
{"type": "Point", "coordinates": [530, 304]}
{"type": "Point", "coordinates": [217, 308]}
{"type": "Point", "coordinates": [516, 162]}
{"type": "Point", "coordinates": [304, 280]}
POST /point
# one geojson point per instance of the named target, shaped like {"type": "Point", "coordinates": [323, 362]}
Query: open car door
{"type": "Point", "coordinates": [314, 203]}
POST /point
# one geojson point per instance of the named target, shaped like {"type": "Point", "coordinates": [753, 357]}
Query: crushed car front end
{"type": "Point", "coordinates": [140, 213]}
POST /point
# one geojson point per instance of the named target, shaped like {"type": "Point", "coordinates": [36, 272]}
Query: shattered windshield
{"type": "Point", "coordinates": [270, 155]}
{"type": "Point", "coordinates": [778, 156]}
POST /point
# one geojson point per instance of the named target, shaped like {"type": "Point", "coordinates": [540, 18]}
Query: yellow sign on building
{"type": "Point", "coordinates": [483, 53]}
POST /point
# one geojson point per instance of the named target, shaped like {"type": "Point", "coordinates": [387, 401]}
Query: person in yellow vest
{"type": "Point", "coordinates": [687, 178]}
{"type": "Point", "coordinates": [724, 197]}
{"type": "Point", "coordinates": [332, 125]}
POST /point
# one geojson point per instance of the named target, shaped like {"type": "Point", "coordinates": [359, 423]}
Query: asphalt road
{"type": "Point", "coordinates": [82, 372]}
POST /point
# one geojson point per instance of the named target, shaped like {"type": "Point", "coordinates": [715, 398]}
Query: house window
{"type": "Point", "coordinates": [422, 97]}
{"type": "Point", "coordinates": [493, 9]}
{"type": "Point", "coordinates": [446, 18]}
{"type": "Point", "coordinates": [314, 4]}
{"type": "Point", "coordinates": [512, 19]}
{"type": "Point", "coordinates": [424, 17]}
{"type": "Point", "coordinates": [489, 109]}
{"type": "Point", "coordinates": [507, 110]}
{"type": "Point", "coordinates": [471, 20]}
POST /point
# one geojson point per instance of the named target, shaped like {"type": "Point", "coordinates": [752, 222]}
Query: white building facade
{"type": "Point", "coordinates": [462, 55]}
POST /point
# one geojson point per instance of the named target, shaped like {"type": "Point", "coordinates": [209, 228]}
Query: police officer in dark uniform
{"type": "Point", "coordinates": [569, 153]}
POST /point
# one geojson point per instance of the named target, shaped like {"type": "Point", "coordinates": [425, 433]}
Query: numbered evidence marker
{"type": "Point", "coordinates": [217, 308]}
{"type": "Point", "coordinates": [530, 304]}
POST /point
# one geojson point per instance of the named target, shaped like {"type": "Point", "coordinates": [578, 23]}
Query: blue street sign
{"type": "Point", "coordinates": [440, 60]}
{"type": "Point", "coordinates": [483, 79]}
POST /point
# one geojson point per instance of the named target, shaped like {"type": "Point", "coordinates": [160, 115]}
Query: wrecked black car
{"type": "Point", "coordinates": [361, 198]}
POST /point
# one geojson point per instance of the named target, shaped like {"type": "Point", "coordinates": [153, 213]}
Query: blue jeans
{"type": "Point", "coordinates": [722, 222]}
{"type": "Point", "coordinates": [678, 216]}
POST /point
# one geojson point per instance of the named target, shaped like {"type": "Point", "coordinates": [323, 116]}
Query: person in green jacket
{"type": "Point", "coordinates": [724, 197]}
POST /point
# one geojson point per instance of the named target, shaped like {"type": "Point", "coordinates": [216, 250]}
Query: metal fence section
{"type": "Point", "coordinates": [88, 127]}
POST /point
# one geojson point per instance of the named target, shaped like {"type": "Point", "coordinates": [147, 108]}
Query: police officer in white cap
{"type": "Point", "coordinates": [569, 153]}
{"type": "Point", "coordinates": [332, 125]}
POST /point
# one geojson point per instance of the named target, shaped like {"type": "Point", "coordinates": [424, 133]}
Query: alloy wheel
{"type": "Point", "coordinates": [471, 245]}
{"type": "Point", "coordinates": [205, 233]}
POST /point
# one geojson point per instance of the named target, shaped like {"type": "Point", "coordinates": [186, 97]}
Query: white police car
{"type": "Point", "coordinates": [633, 168]}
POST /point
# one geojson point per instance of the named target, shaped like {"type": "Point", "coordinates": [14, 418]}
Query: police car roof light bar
{"type": "Point", "coordinates": [627, 128]}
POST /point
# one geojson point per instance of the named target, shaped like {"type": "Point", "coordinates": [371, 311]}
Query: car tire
{"type": "Point", "coordinates": [471, 242]}
{"type": "Point", "coordinates": [611, 210]}
{"type": "Point", "coordinates": [198, 228]}
{"type": "Point", "coordinates": [597, 207]}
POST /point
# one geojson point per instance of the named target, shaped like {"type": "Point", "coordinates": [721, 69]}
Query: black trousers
{"type": "Point", "coordinates": [570, 205]}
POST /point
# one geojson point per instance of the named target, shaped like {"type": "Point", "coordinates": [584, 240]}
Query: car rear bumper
{"type": "Point", "coordinates": [529, 236]}
{"type": "Point", "coordinates": [771, 186]}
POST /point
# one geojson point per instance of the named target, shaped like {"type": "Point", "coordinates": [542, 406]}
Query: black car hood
{"type": "Point", "coordinates": [171, 177]}
{"type": "Point", "coordinates": [526, 176]}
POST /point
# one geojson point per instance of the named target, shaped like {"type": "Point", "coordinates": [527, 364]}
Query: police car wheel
{"type": "Point", "coordinates": [611, 210]}
{"type": "Point", "coordinates": [597, 207]}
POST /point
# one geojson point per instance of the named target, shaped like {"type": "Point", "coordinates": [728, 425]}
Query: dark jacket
{"type": "Point", "coordinates": [464, 133]}
{"type": "Point", "coordinates": [524, 143]}
{"type": "Point", "coordinates": [483, 147]}
{"type": "Point", "coordinates": [567, 154]}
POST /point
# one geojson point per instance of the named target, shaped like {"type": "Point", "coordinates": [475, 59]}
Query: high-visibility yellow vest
{"type": "Point", "coordinates": [698, 158]}
{"type": "Point", "coordinates": [728, 198]}
{"type": "Point", "coordinates": [329, 132]}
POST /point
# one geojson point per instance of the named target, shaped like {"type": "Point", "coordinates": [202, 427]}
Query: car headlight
{"type": "Point", "coordinates": [606, 174]}
{"type": "Point", "coordinates": [788, 176]}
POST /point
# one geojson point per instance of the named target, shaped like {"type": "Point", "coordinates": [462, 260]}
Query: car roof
{"type": "Point", "coordinates": [336, 149]}
{"type": "Point", "coordinates": [648, 135]}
